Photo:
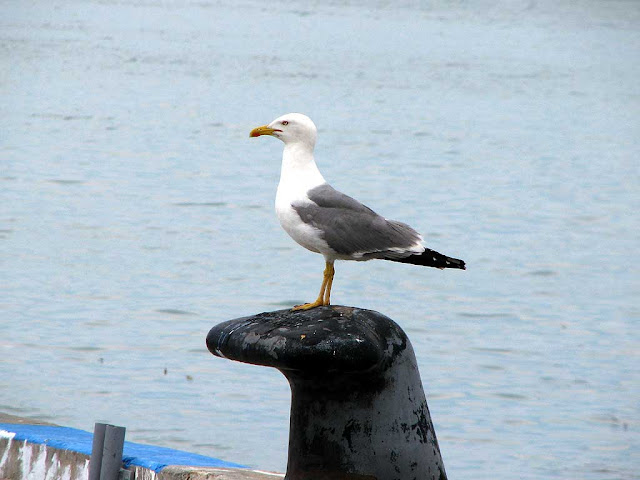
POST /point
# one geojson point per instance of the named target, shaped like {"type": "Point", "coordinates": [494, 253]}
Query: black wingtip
{"type": "Point", "coordinates": [431, 258]}
{"type": "Point", "coordinates": [455, 263]}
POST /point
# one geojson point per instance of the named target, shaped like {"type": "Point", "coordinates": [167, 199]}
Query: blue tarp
{"type": "Point", "coordinates": [136, 454]}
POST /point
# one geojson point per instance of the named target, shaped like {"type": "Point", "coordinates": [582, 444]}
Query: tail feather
{"type": "Point", "coordinates": [431, 258]}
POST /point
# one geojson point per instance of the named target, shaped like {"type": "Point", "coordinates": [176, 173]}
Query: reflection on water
{"type": "Point", "coordinates": [136, 213]}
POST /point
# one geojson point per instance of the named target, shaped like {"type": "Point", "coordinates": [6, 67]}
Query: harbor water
{"type": "Point", "coordinates": [136, 213]}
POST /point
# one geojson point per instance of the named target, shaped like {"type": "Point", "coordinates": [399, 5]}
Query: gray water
{"type": "Point", "coordinates": [136, 213]}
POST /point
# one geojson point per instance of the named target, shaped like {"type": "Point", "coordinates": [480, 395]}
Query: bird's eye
{"type": "Point", "coordinates": [285, 122]}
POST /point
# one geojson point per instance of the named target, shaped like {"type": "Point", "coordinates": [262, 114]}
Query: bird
{"type": "Point", "coordinates": [331, 223]}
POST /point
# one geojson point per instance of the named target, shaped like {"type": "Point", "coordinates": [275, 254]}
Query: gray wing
{"type": "Point", "coordinates": [353, 229]}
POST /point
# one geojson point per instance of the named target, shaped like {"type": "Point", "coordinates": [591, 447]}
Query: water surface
{"type": "Point", "coordinates": [136, 214]}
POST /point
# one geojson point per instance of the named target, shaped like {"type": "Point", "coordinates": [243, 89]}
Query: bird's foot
{"type": "Point", "coordinates": [309, 306]}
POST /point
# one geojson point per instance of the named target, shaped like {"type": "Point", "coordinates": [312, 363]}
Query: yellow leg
{"type": "Point", "coordinates": [325, 290]}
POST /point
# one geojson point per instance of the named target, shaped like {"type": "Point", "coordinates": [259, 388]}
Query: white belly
{"type": "Point", "coordinates": [304, 234]}
{"type": "Point", "coordinates": [298, 175]}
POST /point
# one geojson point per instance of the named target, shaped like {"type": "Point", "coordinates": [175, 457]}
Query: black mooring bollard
{"type": "Point", "coordinates": [358, 410]}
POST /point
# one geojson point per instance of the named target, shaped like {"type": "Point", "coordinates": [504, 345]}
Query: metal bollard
{"type": "Point", "coordinates": [358, 410]}
{"type": "Point", "coordinates": [106, 452]}
{"type": "Point", "coordinates": [95, 463]}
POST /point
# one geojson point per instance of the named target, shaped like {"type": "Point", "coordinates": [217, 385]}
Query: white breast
{"type": "Point", "coordinates": [296, 178]}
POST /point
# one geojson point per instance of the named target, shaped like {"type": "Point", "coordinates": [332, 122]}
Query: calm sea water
{"type": "Point", "coordinates": [135, 214]}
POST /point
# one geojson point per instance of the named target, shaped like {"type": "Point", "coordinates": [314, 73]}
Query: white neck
{"type": "Point", "coordinates": [299, 169]}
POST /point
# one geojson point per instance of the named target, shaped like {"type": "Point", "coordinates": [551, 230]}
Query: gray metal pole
{"type": "Point", "coordinates": [112, 453]}
{"type": "Point", "coordinates": [95, 462]}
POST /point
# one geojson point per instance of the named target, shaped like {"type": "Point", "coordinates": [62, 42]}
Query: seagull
{"type": "Point", "coordinates": [326, 221]}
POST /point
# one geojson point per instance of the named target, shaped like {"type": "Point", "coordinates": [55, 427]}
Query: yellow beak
{"type": "Point", "coordinates": [263, 130]}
